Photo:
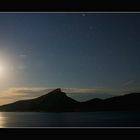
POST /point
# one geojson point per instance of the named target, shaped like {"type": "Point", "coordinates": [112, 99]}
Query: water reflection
{"type": "Point", "coordinates": [2, 120]}
{"type": "Point", "coordinates": [71, 119]}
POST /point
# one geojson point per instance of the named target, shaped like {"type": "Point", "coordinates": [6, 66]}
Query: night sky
{"type": "Point", "coordinates": [70, 50]}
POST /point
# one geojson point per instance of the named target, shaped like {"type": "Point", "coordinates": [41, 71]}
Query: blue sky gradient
{"type": "Point", "coordinates": [71, 50]}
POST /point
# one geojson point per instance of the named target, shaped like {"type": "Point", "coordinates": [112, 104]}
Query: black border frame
{"type": "Point", "coordinates": [80, 6]}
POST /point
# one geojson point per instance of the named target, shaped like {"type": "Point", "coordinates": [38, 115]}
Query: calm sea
{"type": "Point", "coordinates": [70, 119]}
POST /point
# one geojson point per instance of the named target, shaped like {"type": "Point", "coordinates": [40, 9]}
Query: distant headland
{"type": "Point", "coordinates": [58, 101]}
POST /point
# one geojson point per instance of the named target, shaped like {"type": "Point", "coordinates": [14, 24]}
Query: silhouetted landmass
{"type": "Point", "coordinates": [54, 101]}
{"type": "Point", "coordinates": [58, 101]}
{"type": "Point", "coordinates": [118, 103]}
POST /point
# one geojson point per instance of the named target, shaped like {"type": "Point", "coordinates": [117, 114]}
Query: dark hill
{"type": "Point", "coordinates": [58, 101]}
{"type": "Point", "coordinates": [55, 101]}
{"type": "Point", "coordinates": [124, 102]}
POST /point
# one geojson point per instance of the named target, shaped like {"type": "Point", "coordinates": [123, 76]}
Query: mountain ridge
{"type": "Point", "coordinates": [58, 101]}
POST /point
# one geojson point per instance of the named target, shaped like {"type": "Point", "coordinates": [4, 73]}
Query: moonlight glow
{"type": "Point", "coordinates": [1, 69]}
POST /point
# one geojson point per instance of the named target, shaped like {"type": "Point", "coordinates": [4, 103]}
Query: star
{"type": "Point", "coordinates": [83, 15]}
{"type": "Point", "coordinates": [91, 27]}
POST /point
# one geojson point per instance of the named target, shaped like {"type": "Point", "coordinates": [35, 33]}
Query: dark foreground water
{"type": "Point", "coordinates": [71, 119]}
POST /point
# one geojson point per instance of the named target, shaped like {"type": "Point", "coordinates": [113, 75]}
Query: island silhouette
{"type": "Point", "coordinates": [58, 101]}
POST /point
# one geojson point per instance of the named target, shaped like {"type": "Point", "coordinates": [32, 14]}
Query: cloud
{"type": "Point", "coordinates": [22, 55]}
{"type": "Point", "coordinates": [14, 94]}
{"type": "Point", "coordinates": [23, 92]}
{"type": "Point", "coordinates": [88, 90]}
{"type": "Point", "coordinates": [128, 83]}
